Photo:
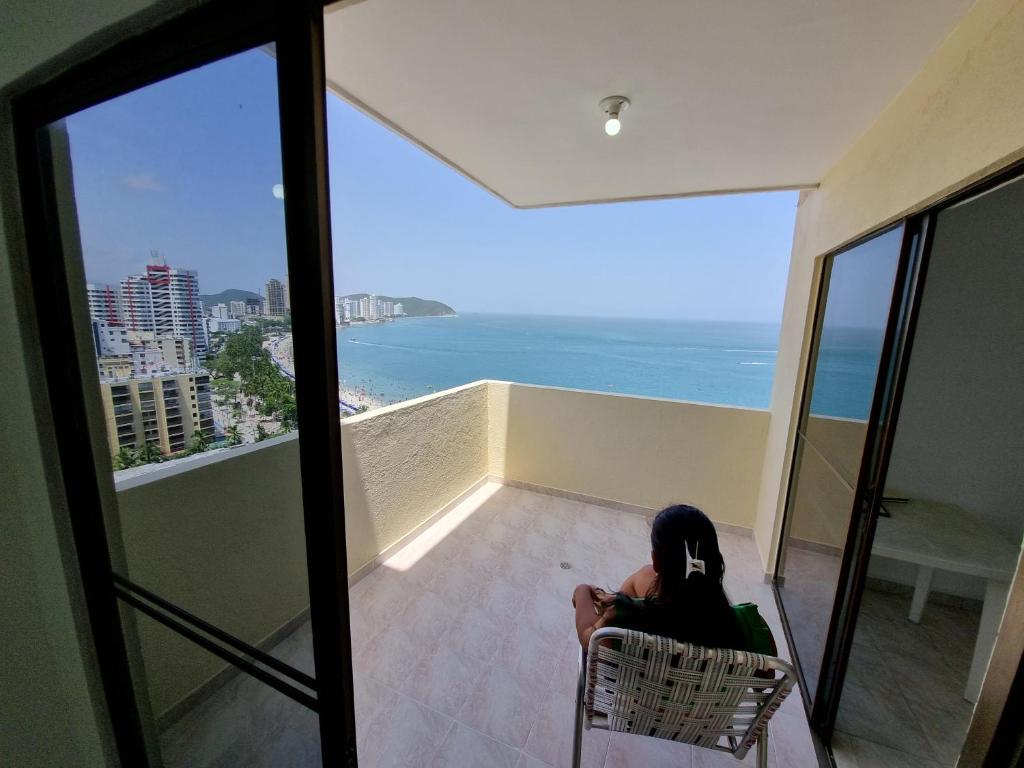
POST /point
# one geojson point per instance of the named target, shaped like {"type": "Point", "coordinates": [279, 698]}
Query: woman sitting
{"type": "Point", "coordinates": [679, 595]}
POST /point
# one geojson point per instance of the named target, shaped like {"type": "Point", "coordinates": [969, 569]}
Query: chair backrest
{"type": "Point", "coordinates": [656, 686]}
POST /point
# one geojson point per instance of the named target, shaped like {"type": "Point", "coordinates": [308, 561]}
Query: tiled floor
{"type": "Point", "coordinates": [465, 651]}
{"type": "Point", "coordinates": [903, 695]}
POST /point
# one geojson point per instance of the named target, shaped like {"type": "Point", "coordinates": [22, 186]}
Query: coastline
{"type": "Point", "coordinates": [385, 363]}
{"type": "Point", "coordinates": [281, 353]}
{"type": "Point", "coordinates": [385, 321]}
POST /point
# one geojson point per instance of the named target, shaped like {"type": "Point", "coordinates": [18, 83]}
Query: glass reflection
{"type": "Point", "coordinates": [820, 508]}
{"type": "Point", "coordinates": [176, 247]}
{"type": "Point", "coordinates": [830, 443]}
{"type": "Point", "coordinates": [849, 350]}
{"type": "Point", "coordinates": [230, 719]}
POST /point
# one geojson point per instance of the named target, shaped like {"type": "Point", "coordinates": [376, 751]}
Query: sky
{"type": "Point", "coordinates": [188, 166]}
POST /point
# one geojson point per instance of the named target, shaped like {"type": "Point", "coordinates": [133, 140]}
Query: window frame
{"type": "Point", "coordinates": [138, 52]}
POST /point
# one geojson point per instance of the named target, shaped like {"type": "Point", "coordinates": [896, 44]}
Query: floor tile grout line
{"type": "Point", "coordinates": [437, 750]}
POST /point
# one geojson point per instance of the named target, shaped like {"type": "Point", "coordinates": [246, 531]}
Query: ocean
{"type": "Point", "coordinates": [724, 363]}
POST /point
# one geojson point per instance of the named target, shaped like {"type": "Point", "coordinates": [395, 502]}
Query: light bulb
{"type": "Point", "coordinates": [612, 126]}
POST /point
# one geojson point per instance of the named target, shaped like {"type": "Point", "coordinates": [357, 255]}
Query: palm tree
{"type": "Point", "coordinates": [234, 437]}
{"type": "Point", "coordinates": [261, 433]}
{"type": "Point", "coordinates": [149, 453]}
{"type": "Point", "coordinates": [199, 442]}
{"type": "Point", "coordinates": [125, 458]}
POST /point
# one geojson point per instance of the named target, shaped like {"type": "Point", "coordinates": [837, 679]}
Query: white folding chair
{"type": "Point", "coordinates": [631, 682]}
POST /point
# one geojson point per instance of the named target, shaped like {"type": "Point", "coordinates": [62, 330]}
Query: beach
{"type": "Point", "coordinates": [351, 397]}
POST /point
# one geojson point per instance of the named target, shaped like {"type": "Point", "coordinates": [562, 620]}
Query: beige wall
{"type": "Point", "coordinates": [49, 698]}
{"type": "Point", "coordinates": [828, 473]}
{"type": "Point", "coordinates": [222, 535]}
{"type": "Point", "coordinates": [405, 462]}
{"type": "Point", "coordinates": [638, 450]}
{"type": "Point", "coordinates": [224, 540]}
{"type": "Point", "coordinates": [960, 118]}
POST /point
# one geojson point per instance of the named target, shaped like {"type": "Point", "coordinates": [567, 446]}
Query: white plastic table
{"type": "Point", "coordinates": [934, 535]}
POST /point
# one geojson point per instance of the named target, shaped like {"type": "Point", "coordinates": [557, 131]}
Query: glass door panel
{"type": "Point", "coordinates": [820, 507]}
{"type": "Point", "coordinates": [952, 483]}
{"type": "Point", "coordinates": [235, 720]}
{"type": "Point", "coordinates": [171, 207]}
{"type": "Point", "coordinates": [846, 354]}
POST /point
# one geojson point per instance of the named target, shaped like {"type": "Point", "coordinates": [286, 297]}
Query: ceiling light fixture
{"type": "Point", "coordinates": [613, 106]}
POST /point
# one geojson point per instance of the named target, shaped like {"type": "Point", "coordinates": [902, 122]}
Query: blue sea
{"type": "Point", "coordinates": [726, 363]}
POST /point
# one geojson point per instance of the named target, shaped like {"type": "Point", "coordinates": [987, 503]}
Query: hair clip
{"type": "Point", "coordinates": [693, 565]}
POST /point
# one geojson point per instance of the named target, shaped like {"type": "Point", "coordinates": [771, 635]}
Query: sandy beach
{"type": "Point", "coordinates": [280, 350]}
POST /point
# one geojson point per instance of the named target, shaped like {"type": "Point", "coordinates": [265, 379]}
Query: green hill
{"type": "Point", "coordinates": [224, 297]}
{"type": "Point", "coordinates": [411, 305]}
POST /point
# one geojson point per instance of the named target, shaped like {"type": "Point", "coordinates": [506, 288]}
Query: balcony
{"type": "Point", "coordinates": [462, 510]}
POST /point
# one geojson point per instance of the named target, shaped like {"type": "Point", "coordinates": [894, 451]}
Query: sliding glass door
{"type": "Point", "coordinates": [175, 200]}
{"type": "Point", "coordinates": [851, 365]}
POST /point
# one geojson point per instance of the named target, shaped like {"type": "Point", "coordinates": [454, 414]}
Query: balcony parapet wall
{"type": "Point", "coordinates": [222, 533]}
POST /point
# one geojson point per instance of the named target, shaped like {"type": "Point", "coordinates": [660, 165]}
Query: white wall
{"type": "Point", "coordinates": [960, 437]}
{"type": "Point", "coordinates": [960, 118]}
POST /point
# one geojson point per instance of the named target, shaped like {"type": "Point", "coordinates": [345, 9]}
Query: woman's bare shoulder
{"type": "Point", "coordinates": [640, 583]}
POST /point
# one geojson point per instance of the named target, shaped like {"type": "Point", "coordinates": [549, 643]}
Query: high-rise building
{"type": "Point", "coordinates": [121, 353]}
{"type": "Point", "coordinates": [165, 301]}
{"type": "Point", "coordinates": [223, 325]}
{"type": "Point", "coordinates": [236, 310]}
{"type": "Point", "coordinates": [176, 352]}
{"type": "Point", "coordinates": [147, 360]}
{"type": "Point", "coordinates": [253, 306]}
{"type": "Point", "coordinates": [165, 411]}
{"type": "Point", "coordinates": [219, 311]}
{"type": "Point", "coordinates": [287, 296]}
{"type": "Point", "coordinates": [113, 368]}
{"type": "Point", "coordinates": [399, 309]}
{"type": "Point", "coordinates": [104, 303]}
{"type": "Point", "coordinates": [365, 310]}
{"type": "Point", "coordinates": [273, 298]}
{"type": "Point", "coordinates": [345, 310]}
{"type": "Point", "coordinates": [109, 340]}
{"type": "Point", "coordinates": [137, 303]}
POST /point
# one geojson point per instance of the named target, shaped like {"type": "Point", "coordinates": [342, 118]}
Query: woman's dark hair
{"type": "Point", "coordinates": [691, 606]}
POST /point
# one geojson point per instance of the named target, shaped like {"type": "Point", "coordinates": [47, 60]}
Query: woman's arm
{"type": "Point", "coordinates": [592, 611]}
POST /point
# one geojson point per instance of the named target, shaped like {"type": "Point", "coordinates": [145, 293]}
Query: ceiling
{"type": "Point", "coordinates": [727, 95]}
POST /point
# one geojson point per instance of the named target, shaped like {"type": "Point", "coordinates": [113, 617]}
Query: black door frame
{"type": "Point", "coordinates": [870, 482]}
{"type": "Point", "coordinates": [904, 314]}
{"type": "Point", "coordinates": [195, 37]}
{"type": "Point", "coordinates": [840, 631]}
